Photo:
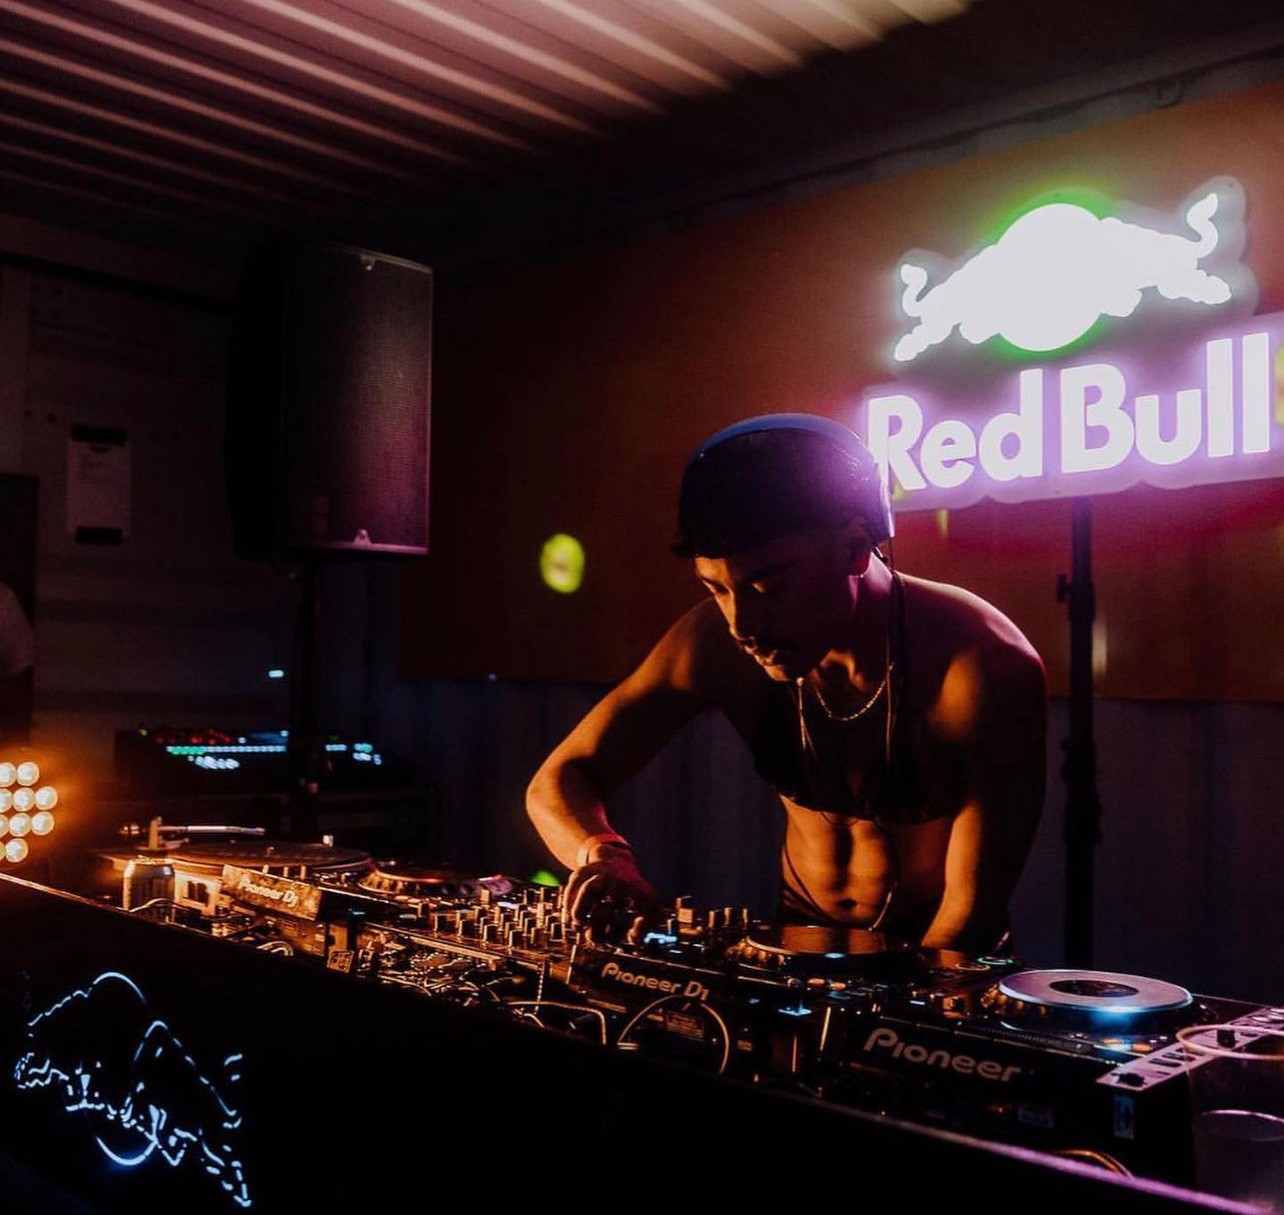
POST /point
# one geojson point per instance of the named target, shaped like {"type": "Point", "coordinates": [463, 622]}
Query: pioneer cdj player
{"type": "Point", "coordinates": [1078, 1063]}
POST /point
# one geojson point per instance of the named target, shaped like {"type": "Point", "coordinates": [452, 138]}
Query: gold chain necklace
{"type": "Point", "coordinates": [844, 718]}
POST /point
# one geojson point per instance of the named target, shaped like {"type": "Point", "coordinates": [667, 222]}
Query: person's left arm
{"type": "Point", "coordinates": [993, 708]}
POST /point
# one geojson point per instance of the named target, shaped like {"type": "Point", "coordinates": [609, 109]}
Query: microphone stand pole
{"type": "Point", "coordinates": [1083, 806]}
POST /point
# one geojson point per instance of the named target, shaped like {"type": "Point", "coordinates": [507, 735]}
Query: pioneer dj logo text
{"type": "Point", "coordinates": [286, 897]}
{"type": "Point", "coordinates": [885, 1039]}
{"type": "Point", "coordinates": [692, 987]}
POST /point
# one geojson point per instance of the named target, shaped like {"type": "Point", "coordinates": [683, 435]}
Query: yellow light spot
{"type": "Point", "coordinates": [8, 774]}
{"type": "Point", "coordinates": [46, 797]}
{"type": "Point", "coordinates": [20, 824]}
{"type": "Point", "coordinates": [24, 798]}
{"type": "Point", "coordinates": [16, 850]}
{"type": "Point", "coordinates": [561, 563]}
{"type": "Point", "coordinates": [28, 772]}
{"type": "Point", "coordinates": [42, 822]}
{"type": "Point", "coordinates": [943, 523]}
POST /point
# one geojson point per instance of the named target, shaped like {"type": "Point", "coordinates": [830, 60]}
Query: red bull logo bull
{"type": "Point", "coordinates": [1058, 269]}
{"type": "Point", "coordinates": [103, 1056]}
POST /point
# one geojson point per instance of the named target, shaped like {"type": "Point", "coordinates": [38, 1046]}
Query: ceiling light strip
{"type": "Point", "coordinates": [159, 162]}
{"type": "Point", "coordinates": [372, 92]}
{"type": "Point", "coordinates": [928, 11]}
{"type": "Point", "coordinates": [228, 80]}
{"type": "Point", "coordinates": [208, 201]}
{"type": "Point", "coordinates": [634, 42]}
{"type": "Point", "coordinates": [832, 22]}
{"type": "Point", "coordinates": [495, 41]}
{"type": "Point", "coordinates": [70, 67]}
{"type": "Point", "coordinates": [732, 35]}
{"type": "Point", "coordinates": [114, 117]}
{"type": "Point", "coordinates": [426, 67]}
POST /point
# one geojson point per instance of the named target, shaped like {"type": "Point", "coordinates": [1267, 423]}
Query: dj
{"type": "Point", "coordinates": [901, 721]}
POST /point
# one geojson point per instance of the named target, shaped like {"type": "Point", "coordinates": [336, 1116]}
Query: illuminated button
{"type": "Point", "coordinates": [4, 826]}
{"type": "Point", "coordinates": [16, 850]}
{"type": "Point", "coordinates": [8, 774]}
{"type": "Point", "coordinates": [42, 822]}
{"type": "Point", "coordinates": [28, 772]}
{"type": "Point", "coordinates": [46, 797]}
{"type": "Point", "coordinates": [6, 800]}
{"type": "Point", "coordinates": [20, 824]}
{"type": "Point", "coordinates": [24, 799]}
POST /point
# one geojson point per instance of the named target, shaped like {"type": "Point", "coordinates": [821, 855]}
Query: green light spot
{"type": "Point", "coordinates": [542, 877]}
{"type": "Point", "coordinates": [561, 563]}
{"type": "Point", "coordinates": [1092, 201]}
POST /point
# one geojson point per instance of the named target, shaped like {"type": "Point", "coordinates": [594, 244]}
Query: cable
{"type": "Point", "coordinates": [582, 1009]}
{"type": "Point", "coordinates": [647, 1010]}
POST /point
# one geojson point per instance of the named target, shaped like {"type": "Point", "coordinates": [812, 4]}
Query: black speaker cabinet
{"type": "Point", "coordinates": [329, 389]}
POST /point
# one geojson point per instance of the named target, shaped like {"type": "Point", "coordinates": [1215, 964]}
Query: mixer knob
{"type": "Point", "coordinates": [555, 931]}
{"type": "Point", "coordinates": [684, 909]}
{"type": "Point", "coordinates": [514, 938]}
{"type": "Point", "coordinates": [712, 921]}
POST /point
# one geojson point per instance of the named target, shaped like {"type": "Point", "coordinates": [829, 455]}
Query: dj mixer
{"type": "Point", "coordinates": [1077, 1063]}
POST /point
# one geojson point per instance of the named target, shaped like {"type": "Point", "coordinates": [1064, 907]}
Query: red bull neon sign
{"type": "Point", "coordinates": [1180, 397]}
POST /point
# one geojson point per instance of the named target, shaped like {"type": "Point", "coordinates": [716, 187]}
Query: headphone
{"type": "Point", "coordinates": [877, 507]}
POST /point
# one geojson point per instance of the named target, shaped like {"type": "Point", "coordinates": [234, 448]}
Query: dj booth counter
{"type": "Point", "coordinates": [270, 1084]}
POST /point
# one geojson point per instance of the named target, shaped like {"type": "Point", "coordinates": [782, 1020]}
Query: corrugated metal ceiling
{"type": "Point", "coordinates": [384, 115]}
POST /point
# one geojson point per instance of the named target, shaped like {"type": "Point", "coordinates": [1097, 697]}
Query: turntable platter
{"type": "Point", "coordinates": [822, 949]}
{"type": "Point", "coordinates": [421, 879]}
{"type": "Point", "coordinates": [285, 858]}
{"type": "Point", "coordinates": [1090, 999]}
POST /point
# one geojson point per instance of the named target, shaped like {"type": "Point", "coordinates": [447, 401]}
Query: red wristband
{"type": "Point", "coordinates": [584, 855]}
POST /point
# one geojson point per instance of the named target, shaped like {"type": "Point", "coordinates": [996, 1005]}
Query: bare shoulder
{"type": "Point", "coordinates": [950, 619]}
{"type": "Point", "coordinates": [967, 660]}
{"type": "Point", "coordinates": [697, 654]}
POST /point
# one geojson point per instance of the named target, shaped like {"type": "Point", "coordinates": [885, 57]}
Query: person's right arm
{"type": "Point", "coordinates": [682, 675]}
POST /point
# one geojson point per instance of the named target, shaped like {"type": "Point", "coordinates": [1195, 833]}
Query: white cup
{"type": "Point", "coordinates": [1236, 1077]}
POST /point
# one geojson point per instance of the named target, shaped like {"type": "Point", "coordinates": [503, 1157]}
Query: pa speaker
{"type": "Point", "coordinates": [328, 406]}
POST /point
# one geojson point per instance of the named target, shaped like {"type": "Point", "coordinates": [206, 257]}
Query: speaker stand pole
{"type": "Point", "coordinates": [304, 744]}
{"type": "Point", "coordinates": [1083, 806]}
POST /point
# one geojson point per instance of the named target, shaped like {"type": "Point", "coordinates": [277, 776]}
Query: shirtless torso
{"type": "Point", "coordinates": [919, 822]}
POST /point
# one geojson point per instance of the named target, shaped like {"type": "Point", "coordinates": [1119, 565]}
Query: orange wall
{"type": "Point", "coordinates": [568, 396]}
